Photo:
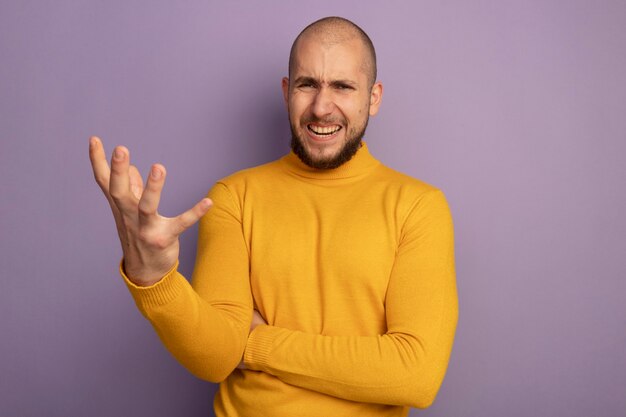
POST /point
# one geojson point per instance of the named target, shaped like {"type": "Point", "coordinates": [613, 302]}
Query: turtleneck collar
{"type": "Point", "coordinates": [361, 163]}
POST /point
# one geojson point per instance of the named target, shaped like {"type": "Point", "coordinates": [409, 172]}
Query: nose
{"type": "Point", "coordinates": [322, 104]}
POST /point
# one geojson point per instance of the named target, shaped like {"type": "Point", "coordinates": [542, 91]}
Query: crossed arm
{"type": "Point", "coordinates": [405, 365]}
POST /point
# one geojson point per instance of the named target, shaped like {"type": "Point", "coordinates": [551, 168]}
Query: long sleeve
{"type": "Point", "coordinates": [406, 364]}
{"type": "Point", "coordinates": [205, 325]}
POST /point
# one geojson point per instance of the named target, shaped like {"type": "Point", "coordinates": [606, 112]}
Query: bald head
{"type": "Point", "coordinates": [335, 30]}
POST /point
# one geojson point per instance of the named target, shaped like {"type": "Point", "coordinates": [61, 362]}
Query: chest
{"type": "Point", "coordinates": [312, 247]}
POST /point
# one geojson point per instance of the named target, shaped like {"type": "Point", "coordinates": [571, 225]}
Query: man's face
{"type": "Point", "coordinates": [329, 101]}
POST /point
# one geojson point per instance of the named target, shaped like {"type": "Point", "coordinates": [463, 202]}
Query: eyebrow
{"type": "Point", "coordinates": [305, 80]}
{"type": "Point", "coordinates": [311, 80]}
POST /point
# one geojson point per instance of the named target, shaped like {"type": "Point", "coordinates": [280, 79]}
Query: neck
{"type": "Point", "coordinates": [361, 163]}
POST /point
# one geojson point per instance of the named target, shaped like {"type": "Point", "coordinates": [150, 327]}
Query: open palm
{"type": "Point", "coordinates": [149, 241]}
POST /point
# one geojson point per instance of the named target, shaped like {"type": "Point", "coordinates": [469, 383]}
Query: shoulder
{"type": "Point", "coordinates": [412, 197]}
{"type": "Point", "coordinates": [238, 184]}
{"type": "Point", "coordinates": [231, 192]}
{"type": "Point", "coordinates": [404, 184]}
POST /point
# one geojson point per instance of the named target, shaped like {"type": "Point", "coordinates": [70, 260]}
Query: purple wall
{"type": "Point", "coordinates": [516, 109]}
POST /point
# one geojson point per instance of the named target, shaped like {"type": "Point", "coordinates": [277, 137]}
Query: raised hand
{"type": "Point", "coordinates": [149, 241]}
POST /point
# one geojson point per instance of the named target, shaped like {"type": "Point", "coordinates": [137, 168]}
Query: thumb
{"type": "Point", "coordinates": [191, 216]}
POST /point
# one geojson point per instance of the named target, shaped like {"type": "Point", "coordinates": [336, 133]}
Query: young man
{"type": "Point", "coordinates": [324, 282]}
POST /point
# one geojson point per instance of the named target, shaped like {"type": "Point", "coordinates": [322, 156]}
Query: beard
{"type": "Point", "coordinates": [350, 147]}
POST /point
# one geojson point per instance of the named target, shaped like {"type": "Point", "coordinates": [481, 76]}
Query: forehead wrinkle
{"type": "Point", "coordinates": [324, 79]}
{"type": "Point", "coordinates": [327, 44]}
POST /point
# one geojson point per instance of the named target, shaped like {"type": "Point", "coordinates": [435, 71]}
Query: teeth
{"type": "Point", "coordinates": [324, 130]}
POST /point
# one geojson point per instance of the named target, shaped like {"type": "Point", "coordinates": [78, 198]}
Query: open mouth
{"type": "Point", "coordinates": [323, 131]}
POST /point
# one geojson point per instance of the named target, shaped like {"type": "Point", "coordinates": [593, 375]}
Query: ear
{"type": "Point", "coordinates": [285, 86]}
{"type": "Point", "coordinates": [376, 97]}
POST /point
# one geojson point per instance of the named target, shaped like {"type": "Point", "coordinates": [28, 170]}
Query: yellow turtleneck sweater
{"type": "Point", "coordinates": [353, 270]}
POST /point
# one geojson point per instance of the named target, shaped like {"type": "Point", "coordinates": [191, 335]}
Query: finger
{"type": "Point", "coordinates": [257, 319]}
{"type": "Point", "coordinates": [191, 216]}
{"type": "Point", "coordinates": [149, 203]}
{"type": "Point", "coordinates": [99, 164]}
{"type": "Point", "coordinates": [119, 183]}
{"type": "Point", "coordinates": [136, 182]}
{"type": "Point", "coordinates": [102, 174]}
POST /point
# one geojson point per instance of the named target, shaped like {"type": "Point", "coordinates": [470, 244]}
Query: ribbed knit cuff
{"type": "Point", "coordinates": [257, 354]}
{"type": "Point", "coordinates": [157, 294]}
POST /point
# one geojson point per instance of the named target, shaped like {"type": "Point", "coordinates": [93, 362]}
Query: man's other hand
{"type": "Point", "coordinates": [149, 241]}
{"type": "Point", "coordinates": [257, 320]}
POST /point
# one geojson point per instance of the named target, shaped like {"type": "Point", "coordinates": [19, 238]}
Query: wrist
{"type": "Point", "coordinates": [144, 277]}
